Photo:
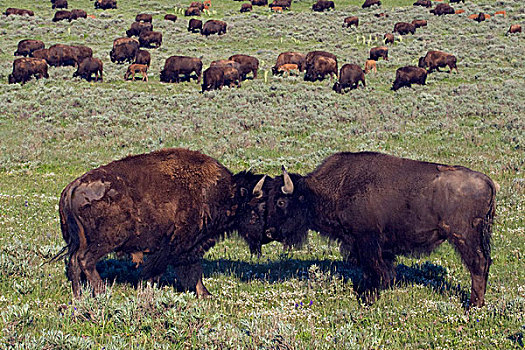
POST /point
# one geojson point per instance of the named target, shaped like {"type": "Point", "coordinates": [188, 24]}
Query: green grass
{"type": "Point", "coordinates": [53, 130]}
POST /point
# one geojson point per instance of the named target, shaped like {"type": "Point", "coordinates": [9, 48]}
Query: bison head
{"type": "Point", "coordinates": [422, 63]}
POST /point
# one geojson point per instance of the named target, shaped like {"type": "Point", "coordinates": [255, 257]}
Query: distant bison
{"type": "Point", "coordinates": [231, 76]}
{"type": "Point", "coordinates": [320, 67]}
{"type": "Point", "coordinates": [62, 15]}
{"type": "Point", "coordinates": [370, 65]}
{"type": "Point", "coordinates": [404, 28]}
{"type": "Point", "coordinates": [213, 79]}
{"type": "Point", "coordinates": [351, 21]}
{"type": "Point", "coordinates": [287, 68]}
{"type": "Point", "coordinates": [137, 68]}
{"type": "Point", "coordinates": [177, 65]}
{"type": "Point", "coordinates": [259, 2]}
{"type": "Point", "coordinates": [144, 17]}
{"type": "Point", "coordinates": [370, 3]}
{"type": "Point", "coordinates": [198, 5]}
{"type": "Point", "coordinates": [480, 17]}
{"type": "Point", "coordinates": [443, 9]}
{"type": "Point", "coordinates": [312, 55]}
{"type": "Point", "coordinates": [406, 76]}
{"type": "Point", "coordinates": [59, 4]}
{"type": "Point", "coordinates": [458, 1]}
{"type": "Point", "coordinates": [27, 46]}
{"type": "Point", "coordinates": [377, 52]}
{"type": "Point", "coordinates": [150, 39]}
{"type": "Point", "coordinates": [248, 64]}
{"type": "Point", "coordinates": [88, 67]}
{"type": "Point", "coordinates": [418, 23]}
{"type": "Point", "coordinates": [170, 17]}
{"type": "Point", "coordinates": [434, 60]}
{"type": "Point", "coordinates": [322, 5]}
{"type": "Point", "coordinates": [515, 28]}
{"type": "Point", "coordinates": [283, 4]}
{"type": "Point", "coordinates": [19, 12]}
{"type": "Point", "coordinates": [26, 67]}
{"type": "Point", "coordinates": [105, 4]}
{"type": "Point", "coordinates": [138, 28]}
{"type": "Point", "coordinates": [143, 57]}
{"type": "Point", "coordinates": [388, 38]}
{"type": "Point", "coordinates": [78, 13]}
{"type": "Point", "coordinates": [42, 54]}
{"type": "Point", "coordinates": [349, 77]}
{"type": "Point", "coordinates": [124, 49]}
{"type": "Point", "coordinates": [290, 58]}
{"type": "Point", "coordinates": [214, 26]}
{"type": "Point", "coordinates": [247, 7]}
{"type": "Point", "coordinates": [424, 3]}
{"type": "Point", "coordinates": [194, 25]}
{"type": "Point", "coordinates": [66, 55]}
{"type": "Point", "coordinates": [192, 11]}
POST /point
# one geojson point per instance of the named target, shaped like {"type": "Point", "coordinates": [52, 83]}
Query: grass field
{"type": "Point", "coordinates": [53, 130]}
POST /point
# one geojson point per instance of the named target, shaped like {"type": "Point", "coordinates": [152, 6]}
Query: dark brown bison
{"type": "Point", "coordinates": [418, 23]}
{"type": "Point", "coordinates": [404, 28]}
{"type": "Point", "coordinates": [194, 25]}
{"type": "Point", "coordinates": [124, 49]}
{"type": "Point", "coordinates": [259, 2]}
{"type": "Point", "coordinates": [105, 4]}
{"type": "Point", "coordinates": [59, 4]}
{"type": "Point", "coordinates": [198, 5]}
{"type": "Point", "coordinates": [19, 12]}
{"type": "Point", "coordinates": [170, 17]}
{"type": "Point", "coordinates": [27, 46]}
{"type": "Point", "coordinates": [480, 17]}
{"type": "Point", "coordinates": [388, 38]}
{"type": "Point", "coordinates": [89, 66]}
{"type": "Point", "coordinates": [283, 4]}
{"type": "Point", "coordinates": [144, 17]}
{"type": "Point", "coordinates": [379, 206]}
{"type": "Point", "coordinates": [83, 52]}
{"type": "Point", "coordinates": [515, 28]}
{"type": "Point", "coordinates": [443, 9]}
{"type": "Point", "coordinates": [322, 5]}
{"type": "Point", "coordinates": [171, 205]}
{"type": "Point", "coordinates": [62, 55]}
{"type": "Point", "coordinates": [150, 39]}
{"type": "Point", "coordinates": [248, 64]}
{"type": "Point", "coordinates": [370, 3]}
{"type": "Point", "coordinates": [177, 65]}
{"type": "Point", "coordinates": [42, 54]}
{"type": "Point", "coordinates": [213, 79]}
{"type": "Point", "coordinates": [434, 60]}
{"type": "Point", "coordinates": [192, 11]}
{"type": "Point", "coordinates": [320, 67]}
{"type": "Point", "coordinates": [78, 13]}
{"type": "Point", "coordinates": [62, 15]}
{"type": "Point", "coordinates": [349, 77]}
{"type": "Point", "coordinates": [351, 21]}
{"type": "Point", "coordinates": [247, 7]}
{"type": "Point", "coordinates": [138, 28]}
{"type": "Point", "coordinates": [312, 55]}
{"type": "Point", "coordinates": [225, 64]}
{"type": "Point", "coordinates": [290, 58]}
{"type": "Point", "coordinates": [231, 76]}
{"type": "Point", "coordinates": [213, 26]}
{"type": "Point", "coordinates": [24, 68]}
{"type": "Point", "coordinates": [143, 57]}
{"type": "Point", "coordinates": [380, 51]}
{"type": "Point", "coordinates": [424, 3]}
{"type": "Point", "coordinates": [406, 76]}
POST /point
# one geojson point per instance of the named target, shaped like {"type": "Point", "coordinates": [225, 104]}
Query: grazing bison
{"type": "Point", "coordinates": [105, 4]}
{"type": "Point", "coordinates": [19, 12]}
{"type": "Point", "coordinates": [83, 52]}
{"type": "Point", "coordinates": [404, 28]}
{"type": "Point", "coordinates": [514, 28]}
{"type": "Point", "coordinates": [370, 3]}
{"type": "Point", "coordinates": [27, 46]}
{"type": "Point", "coordinates": [349, 77]}
{"type": "Point", "coordinates": [214, 26]}
{"type": "Point", "coordinates": [42, 54]}
{"type": "Point", "coordinates": [137, 68]}
{"type": "Point", "coordinates": [443, 9]}
{"type": "Point", "coordinates": [290, 58]}
{"type": "Point", "coordinates": [434, 60]}
{"type": "Point", "coordinates": [194, 25]}
{"type": "Point", "coordinates": [231, 76]}
{"type": "Point", "coordinates": [150, 39]}
{"type": "Point", "coordinates": [322, 5]}
{"type": "Point", "coordinates": [144, 17]}
{"type": "Point", "coordinates": [379, 206]}
{"type": "Point", "coordinates": [138, 28]}
{"type": "Point", "coordinates": [388, 38]}
{"type": "Point", "coordinates": [380, 51]}
{"type": "Point", "coordinates": [170, 17]}
{"type": "Point", "coordinates": [312, 55]}
{"type": "Point", "coordinates": [192, 11]}
{"type": "Point", "coordinates": [198, 5]}
{"type": "Point", "coordinates": [89, 66]}
{"type": "Point", "coordinates": [25, 67]}
{"type": "Point", "coordinates": [78, 13]}
{"type": "Point", "coordinates": [283, 4]}
{"type": "Point", "coordinates": [171, 204]}
{"type": "Point", "coordinates": [424, 3]}
{"type": "Point", "coordinates": [320, 67]}
{"type": "Point", "coordinates": [248, 64]}
{"type": "Point", "coordinates": [62, 15]}
{"type": "Point", "coordinates": [124, 49]}
{"type": "Point", "coordinates": [177, 65]}
{"type": "Point", "coordinates": [65, 55]}
{"type": "Point", "coordinates": [213, 79]}
{"type": "Point", "coordinates": [59, 4]}
{"type": "Point", "coordinates": [247, 7]}
{"type": "Point", "coordinates": [226, 63]}
{"type": "Point", "coordinates": [418, 23]}
{"type": "Point", "coordinates": [287, 68]}
{"type": "Point", "coordinates": [259, 2]}
{"type": "Point", "coordinates": [143, 57]}
{"type": "Point", "coordinates": [351, 21]}
{"type": "Point", "coordinates": [370, 65]}
{"type": "Point", "coordinates": [406, 76]}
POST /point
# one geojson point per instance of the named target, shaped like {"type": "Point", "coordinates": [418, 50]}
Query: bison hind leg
{"type": "Point", "coordinates": [190, 277]}
{"type": "Point", "coordinates": [74, 273]}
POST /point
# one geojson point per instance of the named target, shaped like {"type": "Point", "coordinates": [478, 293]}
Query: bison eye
{"type": "Point", "coordinates": [281, 203]}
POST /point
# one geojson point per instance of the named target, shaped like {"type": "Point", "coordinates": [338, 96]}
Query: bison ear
{"type": "Point", "coordinates": [257, 190]}
{"type": "Point", "coordinates": [288, 184]}
{"type": "Point", "coordinates": [244, 192]}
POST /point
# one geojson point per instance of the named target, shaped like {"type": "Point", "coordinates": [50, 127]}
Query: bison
{"type": "Point", "coordinates": [283, 4]}
{"type": "Point", "coordinates": [78, 13]}
{"type": "Point", "coordinates": [312, 55]}
{"type": "Point", "coordinates": [143, 57]}
{"type": "Point", "coordinates": [380, 51]}
{"type": "Point", "coordinates": [434, 60]}
{"type": "Point", "coordinates": [89, 66]}
{"type": "Point", "coordinates": [370, 3]}
{"type": "Point", "coordinates": [322, 5]}
{"type": "Point", "coordinates": [404, 28]}
{"type": "Point", "coordinates": [19, 12]}
{"type": "Point", "coordinates": [63, 55]}
{"type": "Point", "coordinates": [351, 21]}
{"type": "Point", "coordinates": [138, 28]}
{"type": "Point", "coordinates": [62, 15]}
{"type": "Point", "coordinates": [213, 26]}
{"type": "Point", "coordinates": [42, 54]}
{"type": "Point", "coordinates": [213, 78]}
{"type": "Point", "coordinates": [137, 68]}
{"type": "Point", "coordinates": [105, 4]}
{"type": "Point", "coordinates": [177, 65]}
{"type": "Point", "coordinates": [443, 9]}
{"type": "Point", "coordinates": [172, 205]}
{"type": "Point", "coordinates": [150, 39]}
{"type": "Point", "coordinates": [231, 76]}
{"type": "Point", "coordinates": [25, 67]}
{"type": "Point", "coordinates": [248, 64]}
{"type": "Point", "coordinates": [289, 58]}
{"type": "Point", "coordinates": [349, 77]}
{"type": "Point", "coordinates": [424, 3]}
{"type": "Point", "coordinates": [247, 7]}
{"type": "Point", "coordinates": [27, 46]}
{"type": "Point", "coordinates": [287, 68]}
{"type": "Point", "coordinates": [406, 76]}
{"type": "Point", "coordinates": [59, 4]}
{"type": "Point", "coordinates": [418, 23]}
{"type": "Point", "coordinates": [170, 17]}
{"type": "Point", "coordinates": [388, 38]}
{"type": "Point", "coordinates": [124, 49]}
{"type": "Point", "coordinates": [83, 52]}
{"type": "Point", "coordinates": [198, 5]}
{"type": "Point", "coordinates": [378, 207]}
{"type": "Point", "coordinates": [320, 67]}
{"type": "Point", "coordinates": [514, 28]}
{"type": "Point", "coordinates": [192, 11]}
{"type": "Point", "coordinates": [259, 2]}
{"type": "Point", "coordinates": [194, 25]}
{"type": "Point", "coordinates": [144, 17]}
{"type": "Point", "coordinates": [370, 65]}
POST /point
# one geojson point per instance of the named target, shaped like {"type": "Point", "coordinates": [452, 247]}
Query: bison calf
{"type": "Point", "coordinates": [351, 21]}
{"type": "Point", "coordinates": [137, 68]}
{"type": "Point", "coordinates": [370, 65]}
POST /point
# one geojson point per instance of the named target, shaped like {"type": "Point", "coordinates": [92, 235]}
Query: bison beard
{"type": "Point", "coordinates": [379, 206]}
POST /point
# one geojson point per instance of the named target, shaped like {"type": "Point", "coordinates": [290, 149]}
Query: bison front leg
{"type": "Point", "coordinates": [190, 277]}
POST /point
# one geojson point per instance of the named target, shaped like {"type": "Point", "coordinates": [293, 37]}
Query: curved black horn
{"type": "Point", "coordinates": [288, 184]}
{"type": "Point", "coordinates": [257, 190]}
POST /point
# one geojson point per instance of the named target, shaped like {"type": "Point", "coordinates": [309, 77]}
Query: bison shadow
{"type": "Point", "coordinates": [426, 274]}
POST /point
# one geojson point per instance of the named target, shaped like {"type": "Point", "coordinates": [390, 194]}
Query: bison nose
{"type": "Point", "coordinates": [270, 232]}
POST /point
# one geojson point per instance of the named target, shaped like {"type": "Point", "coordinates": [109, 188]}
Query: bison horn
{"type": "Point", "coordinates": [288, 184]}
{"type": "Point", "coordinates": [257, 190]}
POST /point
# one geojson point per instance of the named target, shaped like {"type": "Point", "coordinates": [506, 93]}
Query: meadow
{"type": "Point", "coordinates": [53, 130]}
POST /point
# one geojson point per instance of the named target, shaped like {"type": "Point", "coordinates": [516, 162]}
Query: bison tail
{"type": "Point", "coordinates": [486, 226]}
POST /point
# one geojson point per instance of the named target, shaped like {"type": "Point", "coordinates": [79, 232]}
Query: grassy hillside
{"type": "Point", "coordinates": [53, 130]}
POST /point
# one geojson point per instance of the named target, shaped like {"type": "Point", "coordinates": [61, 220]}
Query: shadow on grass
{"type": "Point", "coordinates": [427, 274]}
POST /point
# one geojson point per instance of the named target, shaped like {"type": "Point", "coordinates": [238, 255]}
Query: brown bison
{"type": "Point", "coordinates": [213, 79]}
{"type": "Point", "coordinates": [171, 205]}
{"type": "Point", "coordinates": [78, 13]}
{"type": "Point", "coordinates": [105, 4]}
{"type": "Point", "coordinates": [177, 65]}
{"type": "Point", "coordinates": [231, 76]}
{"type": "Point", "coordinates": [248, 64]}
{"type": "Point", "coordinates": [144, 17]}
{"type": "Point", "coordinates": [62, 15]}
{"type": "Point", "coordinates": [138, 28]}
{"type": "Point", "coordinates": [27, 46]}
{"type": "Point", "coordinates": [42, 54]}
{"type": "Point", "coordinates": [170, 17]}
{"type": "Point", "coordinates": [137, 68]}
{"type": "Point", "coordinates": [143, 57]}
{"type": "Point", "coordinates": [349, 77]}
{"type": "Point", "coordinates": [443, 9]}
{"type": "Point", "coordinates": [247, 7]}
{"type": "Point", "coordinates": [406, 76]}
{"type": "Point", "coordinates": [388, 38]}
{"type": "Point", "coordinates": [380, 51]}
{"type": "Point", "coordinates": [89, 66]}
{"type": "Point", "coordinates": [198, 5]}
{"type": "Point", "coordinates": [312, 55]}
{"type": "Point", "coordinates": [24, 68]}
{"type": "Point", "coordinates": [370, 65]}
{"type": "Point", "coordinates": [370, 3]}
{"type": "Point", "coordinates": [351, 21]}
{"type": "Point", "coordinates": [63, 55]}
{"type": "Point", "coordinates": [320, 67]}
{"type": "Point", "coordinates": [150, 39]}
{"type": "Point", "coordinates": [259, 2]}
{"type": "Point", "coordinates": [480, 17]}
{"type": "Point", "coordinates": [424, 3]}
{"type": "Point", "coordinates": [287, 68]}
{"type": "Point", "coordinates": [194, 25]}
{"type": "Point", "coordinates": [213, 26]}
{"type": "Point", "coordinates": [418, 23]}
{"type": "Point", "coordinates": [83, 52]}
{"type": "Point", "coordinates": [434, 60]}
{"type": "Point", "coordinates": [59, 4]}
{"type": "Point", "coordinates": [379, 206]}
{"type": "Point", "coordinates": [283, 4]}
{"type": "Point", "coordinates": [19, 12]}
{"type": "Point", "coordinates": [515, 28]}
{"type": "Point", "coordinates": [289, 58]}
{"type": "Point", "coordinates": [404, 28]}
{"type": "Point", "coordinates": [322, 5]}
{"type": "Point", "coordinates": [192, 11]}
{"type": "Point", "coordinates": [124, 49]}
